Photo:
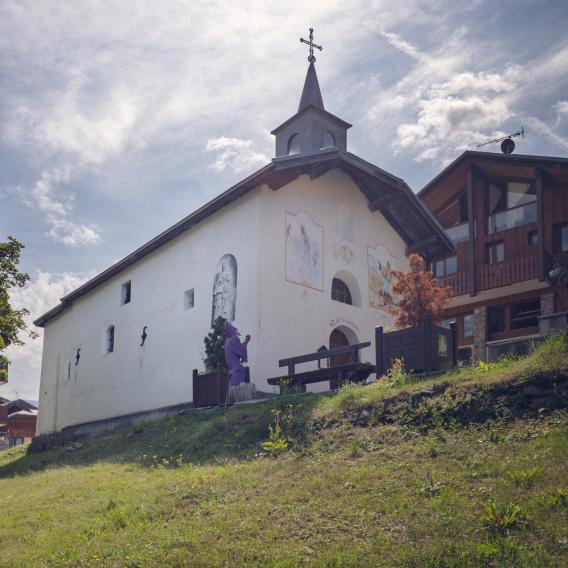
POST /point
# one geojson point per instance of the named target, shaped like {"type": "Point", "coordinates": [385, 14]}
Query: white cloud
{"type": "Point", "coordinates": [562, 107]}
{"type": "Point", "coordinates": [443, 105]}
{"type": "Point", "coordinates": [40, 295]}
{"type": "Point", "coordinates": [548, 131]}
{"type": "Point", "coordinates": [58, 210]}
{"type": "Point", "coordinates": [235, 153]}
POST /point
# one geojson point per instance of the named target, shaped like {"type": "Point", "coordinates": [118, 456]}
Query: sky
{"type": "Point", "coordinates": [117, 119]}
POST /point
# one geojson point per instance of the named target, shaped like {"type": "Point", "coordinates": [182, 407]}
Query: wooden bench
{"type": "Point", "coordinates": [353, 371]}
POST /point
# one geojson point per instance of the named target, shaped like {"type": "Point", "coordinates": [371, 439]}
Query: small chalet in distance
{"type": "Point", "coordinates": [508, 218]}
{"type": "Point", "coordinates": [17, 422]}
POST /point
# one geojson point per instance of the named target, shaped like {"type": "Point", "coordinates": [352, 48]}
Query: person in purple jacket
{"type": "Point", "coordinates": [235, 352]}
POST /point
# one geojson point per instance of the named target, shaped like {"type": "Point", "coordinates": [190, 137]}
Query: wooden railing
{"type": "Point", "coordinates": [505, 273]}
{"type": "Point", "coordinates": [456, 281]}
{"type": "Point", "coordinates": [489, 276]}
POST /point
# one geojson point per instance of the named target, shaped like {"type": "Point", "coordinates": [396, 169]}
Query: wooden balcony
{"type": "Point", "coordinates": [490, 276]}
{"type": "Point", "coordinates": [456, 281]}
{"type": "Point", "coordinates": [505, 273]}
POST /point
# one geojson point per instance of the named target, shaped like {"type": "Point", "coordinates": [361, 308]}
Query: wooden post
{"type": "Point", "coordinates": [291, 367]}
{"type": "Point", "coordinates": [194, 374]}
{"type": "Point", "coordinates": [540, 227]}
{"type": "Point", "coordinates": [471, 229]}
{"type": "Point", "coordinates": [354, 354]}
{"type": "Point", "coordinates": [454, 330]}
{"type": "Point", "coordinates": [379, 368]}
{"type": "Point", "coordinates": [427, 335]}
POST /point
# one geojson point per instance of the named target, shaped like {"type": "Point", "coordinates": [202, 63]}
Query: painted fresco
{"type": "Point", "coordinates": [380, 263]}
{"type": "Point", "coordinates": [225, 289]}
{"type": "Point", "coordinates": [304, 251]}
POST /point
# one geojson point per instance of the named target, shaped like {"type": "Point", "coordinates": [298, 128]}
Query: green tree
{"type": "Point", "coordinates": [215, 346]}
{"type": "Point", "coordinates": [12, 322]}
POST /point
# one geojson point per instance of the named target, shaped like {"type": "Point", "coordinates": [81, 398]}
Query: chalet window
{"type": "Point", "coordinates": [512, 317]}
{"type": "Point", "coordinates": [533, 237]}
{"type": "Point", "coordinates": [495, 252]}
{"type": "Point", "coordinates": [340, 292]}
{"type": "Point", "coordinates": [455, 213]}
{"type": "Point", "coordinates": [125, 293]}
{"type": "Point", "coordinates": [189, 299]}
{"type": "Point", "coordinates": [560, 237]}
{"type": "Point", "coordinates": [496, 319]}
{"type": "Point", "coordinates": [510, 204]}
{"type": "Point", "coordinates": [110, 339]}
{"type": "Point", "coordinates": [468, 325]}
{"type": "Point", "coordinates": [448, 265]}
{"type": "Point", "coordinates": [525, 314]}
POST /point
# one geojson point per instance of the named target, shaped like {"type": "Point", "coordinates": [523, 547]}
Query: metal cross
{"type": "Point", "coordinates": [311, 43]}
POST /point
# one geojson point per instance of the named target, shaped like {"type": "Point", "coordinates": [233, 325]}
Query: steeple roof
{"type": "Point", "coordinates": [311, 94]}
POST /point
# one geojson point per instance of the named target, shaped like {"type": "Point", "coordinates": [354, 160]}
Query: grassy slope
{"type": "Point", "coordinates": [388, 495]}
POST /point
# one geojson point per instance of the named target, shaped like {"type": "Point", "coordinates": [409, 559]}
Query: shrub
{"type": "Point", "coordinates": [214, 343]}
{"type": "Point", "coordinates": [525, 477]}
{"type": "Point", "coordinates": [502, 519]}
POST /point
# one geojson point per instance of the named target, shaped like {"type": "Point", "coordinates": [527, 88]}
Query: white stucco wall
{"type": "Point", "coordinates": [283, 318]}
{"type": "Point", "coordinates": [295, 319]}
{"type": "Point", "coordinates": [134, 378]}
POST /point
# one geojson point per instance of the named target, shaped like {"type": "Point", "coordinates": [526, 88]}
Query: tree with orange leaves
{"type": "Point", "coordinates": [419, 293]}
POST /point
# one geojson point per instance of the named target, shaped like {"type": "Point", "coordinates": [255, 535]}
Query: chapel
{"type": "Point", "coordinates": [298, 255]}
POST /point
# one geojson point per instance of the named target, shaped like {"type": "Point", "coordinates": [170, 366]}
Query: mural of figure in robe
{"type": "Point", "coordinates": [235, 352]}
{"type": "Point", "coordinates": [304, 251]}
{"type": "Point", "coordinates": [225, 289]}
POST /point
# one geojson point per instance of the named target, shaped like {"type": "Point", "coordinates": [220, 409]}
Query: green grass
{"type": "Point", "coordinates": [199, 490]}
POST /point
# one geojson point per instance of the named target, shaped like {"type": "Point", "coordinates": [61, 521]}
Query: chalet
{"type": "Point", "coordinates": [17, 422]}
{"type": "Point", "coordinates": [508, 218]}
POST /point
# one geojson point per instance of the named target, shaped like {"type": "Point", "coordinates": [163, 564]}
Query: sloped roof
{"type": "Point", "coordinates": [20, 403]}
{"type": "Point", "coordinates": [504, 158]}
{"type": "Point", "coordinates": [386, 193]}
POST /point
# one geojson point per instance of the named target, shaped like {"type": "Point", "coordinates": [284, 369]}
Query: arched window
{"type": "Point", "coordinates": [294, 144]}
{"type": "Point", "coordinates": [110, 339]}
{"type": "Point", "coordinates": [340, 292]}
{"type": "Point", "coordinates": [328, 139]}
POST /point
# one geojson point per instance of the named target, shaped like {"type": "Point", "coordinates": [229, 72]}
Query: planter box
{"type": "Point", "coordinates": [424, 348]}
{"type": "Point", "coordinates": [209, 389]}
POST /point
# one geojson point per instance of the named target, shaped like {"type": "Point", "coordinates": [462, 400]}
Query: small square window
{"type": "Point", "coordinates": [188, 299]}
{"type": "Point", "coordinates": [125, 294]}
{"type": "Point", "coordinates": [533, 237]}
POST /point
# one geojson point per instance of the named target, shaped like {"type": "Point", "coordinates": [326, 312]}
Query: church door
{"type": "Point", "coordinates": [337, 339]}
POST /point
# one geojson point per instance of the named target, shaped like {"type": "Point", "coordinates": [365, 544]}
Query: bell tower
{"type": "Point", "coordinates": [312, 128]}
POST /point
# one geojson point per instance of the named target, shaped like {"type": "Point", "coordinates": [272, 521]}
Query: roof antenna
{"type": "Point", "coordinates": [507, 143]}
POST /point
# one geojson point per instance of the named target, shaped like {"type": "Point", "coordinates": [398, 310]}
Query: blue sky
{"type": "Point", "coordinates": [119, 118]}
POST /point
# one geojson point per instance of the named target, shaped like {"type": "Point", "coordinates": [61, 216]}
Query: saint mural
{"type": "Point", "coordinates": [380, 263]}
{"type": "Point", "coordinates": [225, 289]}
{"type": "Point", "coordinates": [304, 251]}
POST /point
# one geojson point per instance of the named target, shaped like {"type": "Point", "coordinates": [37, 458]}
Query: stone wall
{"type": "Point", "coordinates": [479, 333]}
{"type": "Point", "coordinates": [547, 306]}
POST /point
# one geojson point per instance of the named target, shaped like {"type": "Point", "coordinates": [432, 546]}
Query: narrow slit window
{"type": "Point", "coordinates": [110, 339]}
{"type": "Point", "coordinates": [126, 293]}
{"type": "Point", "coordinates": [189, 299]}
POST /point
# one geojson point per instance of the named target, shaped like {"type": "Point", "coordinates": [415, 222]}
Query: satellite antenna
{"type": "Point", "coordinates": [507, 143]}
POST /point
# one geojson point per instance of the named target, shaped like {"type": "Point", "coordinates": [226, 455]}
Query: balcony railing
{"type": "Point", "coordinates": [512, 218]}
{"type": "Point", "coordinates": [505, 273]}
{"type": "Point", "coordinates": [489, 276]}
{"type": "Point", "coordinates": [459, 233]}
{"type": "Point", "coordinates": [456, 281]}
